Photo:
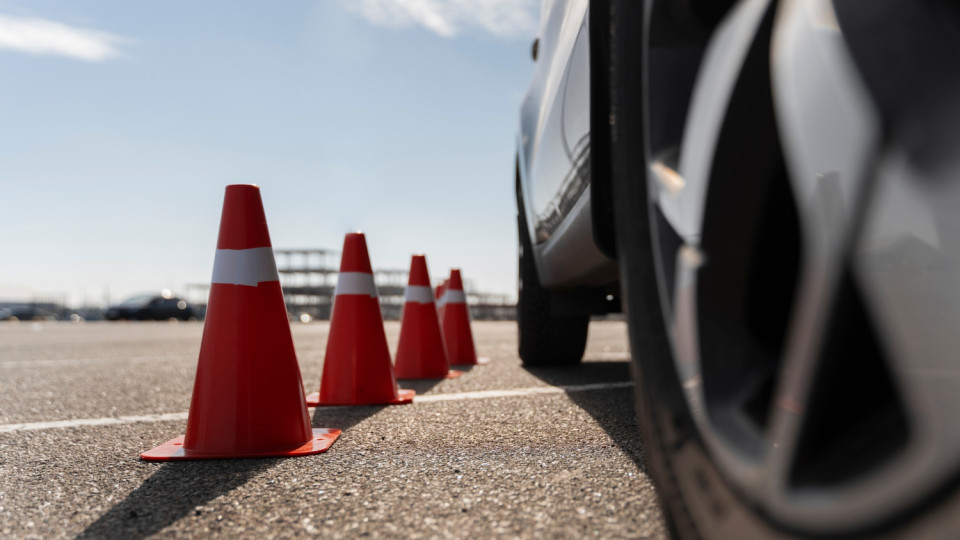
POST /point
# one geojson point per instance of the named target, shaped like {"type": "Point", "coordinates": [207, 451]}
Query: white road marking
{"type": "Point", "coordinates": [430, 398]}
{"type": "Point", "coordinates": [34, 426]}
{"type": "Point", "coordinates": [519, 392]}
{"type": "Point", "coordinates": [86, 361]}
{"type": "Point", "coordinates": [609, 355]}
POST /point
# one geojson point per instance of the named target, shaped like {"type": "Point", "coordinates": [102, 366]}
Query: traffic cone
{"type": "Point", "coordinates": [456, 323]}
{"type": "Point", "coordinates": [420, 351]}
{"type": "Point", "coordinates": [248, 395]}
{"type": "Point", "coordinates": [357, 368]}
{"type": "Point", "coordinates": [441, 288]}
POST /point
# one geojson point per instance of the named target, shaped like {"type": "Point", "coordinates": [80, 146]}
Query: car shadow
{"type": "Point", "coordinates": [613, 409]}
{"type": "Point", "coordinates": [180, 488]}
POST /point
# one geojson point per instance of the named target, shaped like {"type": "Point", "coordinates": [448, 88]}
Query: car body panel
{"type": "Point", "coordinates": [553, 155]}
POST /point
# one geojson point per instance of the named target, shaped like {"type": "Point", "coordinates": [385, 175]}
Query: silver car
{"type": "Point", "coordinates": [770, 191]}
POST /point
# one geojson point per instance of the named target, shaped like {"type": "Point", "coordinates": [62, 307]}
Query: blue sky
{"type": "Point", "coordinates": [123, 121]}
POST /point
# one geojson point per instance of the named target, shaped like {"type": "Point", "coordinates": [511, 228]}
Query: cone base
{"type": "Point", "coordinates": [481, 360]}
{"type": "Point", "coordinates": [403, 397]}
{"type": "Point", "coordinates": [452, 374]}
{"type": "Point", "coordinates": [173, 449]}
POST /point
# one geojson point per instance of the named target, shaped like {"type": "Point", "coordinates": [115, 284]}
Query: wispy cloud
{"type": "Point", "coordinates": [42, 36]}
{"type": "Point", "coordinates": [501, 18]}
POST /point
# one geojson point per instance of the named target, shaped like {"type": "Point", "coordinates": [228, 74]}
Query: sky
{"type": "Point", "coordinates": [121, 122]}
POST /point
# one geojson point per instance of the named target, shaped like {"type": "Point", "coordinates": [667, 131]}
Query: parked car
{"type": "Point", "coordinates": [27, 313]}
{"type": "Point", "coordinates": [769, 191]}
{"type": "Point", "coordinates": [151, 308]}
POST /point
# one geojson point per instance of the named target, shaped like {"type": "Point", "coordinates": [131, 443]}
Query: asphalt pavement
{"type": "Point", "coordinates": [500, 451]}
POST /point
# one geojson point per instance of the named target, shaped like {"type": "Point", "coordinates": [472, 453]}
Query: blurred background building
{"type": "Point", "coordinates": [309, 277]}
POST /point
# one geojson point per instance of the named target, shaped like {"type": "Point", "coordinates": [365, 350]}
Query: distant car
{"type": "Point", "coordinates": [151, 308]}
{"type": "Point", "coordinates": [26, 313]}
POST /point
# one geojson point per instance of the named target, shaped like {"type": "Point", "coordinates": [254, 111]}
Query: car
{"type": "Point", "coordinates": [152, 307]}
{"type": "Point", "coordinates": [767, 189]}
{"type": "Point", "coordinates": [27, 313]}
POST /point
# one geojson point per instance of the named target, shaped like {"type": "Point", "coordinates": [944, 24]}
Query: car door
{"type": "Point", "coordinates": [554, 155]}
{"type": "Point", "coordinates": [169, 308]}
{"type": "Point", "coordinates": [548, 148]}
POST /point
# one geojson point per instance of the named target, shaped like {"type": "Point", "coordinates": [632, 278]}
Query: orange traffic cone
{"type": "Point", "coordinates": [441, 288]}
{"type": "Point", "coordinates": [420, 351]}
{"type": "Point", "coordinates": [456, 323]}
{"type": "Point", "coordinates": [357, 368]}
{"type": "Point", "coordinates": [248, 394]}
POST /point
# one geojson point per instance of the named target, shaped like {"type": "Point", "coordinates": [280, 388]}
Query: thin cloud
{"type": "Point", "coordinates": [505, 19]}
{"type": "Point", "coordinates": [33, 35]}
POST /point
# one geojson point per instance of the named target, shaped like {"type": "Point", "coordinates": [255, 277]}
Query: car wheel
{"type": "Point", "coordinates": [545, 339]}
{"type": "Point", "coordinates": [776, 370]}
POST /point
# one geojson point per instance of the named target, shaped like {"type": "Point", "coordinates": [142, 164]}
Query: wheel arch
{"type": "Point", "coordinates": [601, 188]}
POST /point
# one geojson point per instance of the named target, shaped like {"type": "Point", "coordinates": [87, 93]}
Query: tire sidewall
{"type": "Point", "coordinates": [697, 502]}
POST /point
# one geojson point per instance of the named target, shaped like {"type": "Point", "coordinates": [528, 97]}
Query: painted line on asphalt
{"type": "Point", "coordinates": [80, 422]}
{"type": "Point", "coordinates": [85, 361]}
{"type": "Point", "coordinates": [519, 392]}
{"type": "Point", "coordinates": [608, 355]}
{"type": "Point", "coordinates": [430, 398]}
{"type": "Point", "coordinates": [62, 362]}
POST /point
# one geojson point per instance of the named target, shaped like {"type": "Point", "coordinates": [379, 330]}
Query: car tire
{"type": "Point", "coordinates": [702, 497]}
{"type": "Point", "coordinates": [659, 402]}
{"type": "Point", "coordinates": [707, 508]}
{"type": "Point", "coordinates": [545, 339]}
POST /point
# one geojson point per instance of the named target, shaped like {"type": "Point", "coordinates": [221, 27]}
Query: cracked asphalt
{"type": "Point", "coordinates": [566, 464]}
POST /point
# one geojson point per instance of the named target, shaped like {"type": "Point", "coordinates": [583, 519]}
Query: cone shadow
{"type": "Point", "coordinates": [612, 409]}
{"type": "Point", "coordinates": [466, 368]}
{"type": "Point", "coordinates": [344, 417]}
{"type": "Point", "coordinates": [420, 386]}
{"type": "Point", "coordinates": [177, 489]}
{"type": "Point", "coordinates": [173, 492]}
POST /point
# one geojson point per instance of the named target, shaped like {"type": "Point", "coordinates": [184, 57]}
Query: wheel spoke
{"type": "Point", "coordinates": [719, 200]}
{"type": "Point", "coordinates": [828, 130]}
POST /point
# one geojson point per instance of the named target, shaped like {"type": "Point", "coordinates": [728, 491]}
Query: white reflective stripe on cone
{"type": "Point", "coordinates": [453, 297]}
{"type": "Point", "coordinates": [355, 283]}
{"type": "Point", "coordinates": [244, 266]}
{"type": "Point", "coordinates": [420, 294]}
